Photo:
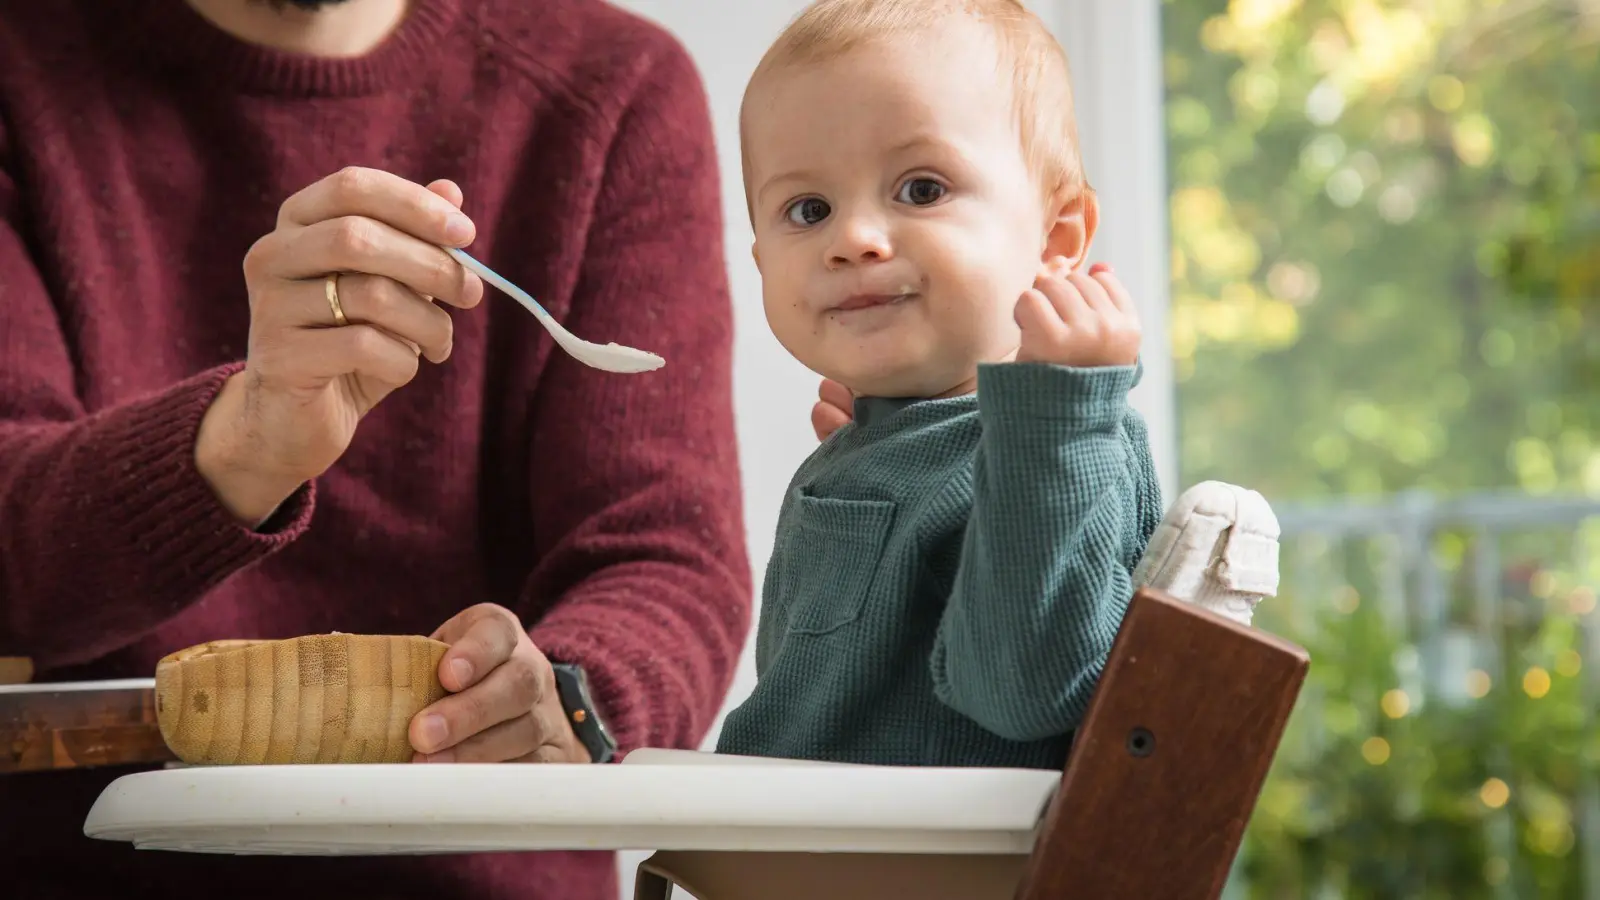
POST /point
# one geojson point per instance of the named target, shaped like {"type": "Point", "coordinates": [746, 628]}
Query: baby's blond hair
{"type": "Point", "coordinates": [1041, 88]}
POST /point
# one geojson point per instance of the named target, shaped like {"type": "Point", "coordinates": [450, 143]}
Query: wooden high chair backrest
{"type": "Point", "coordinates": [1169, 763]}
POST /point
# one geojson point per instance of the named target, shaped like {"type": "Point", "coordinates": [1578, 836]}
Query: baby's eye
{"type": "Point", "coordinates": [809, 211]}
{"type": "Point", "coordinates": [921, 192]}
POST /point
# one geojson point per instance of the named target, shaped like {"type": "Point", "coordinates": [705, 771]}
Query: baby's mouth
{"type": "Point", "coordinates": [869, 301]}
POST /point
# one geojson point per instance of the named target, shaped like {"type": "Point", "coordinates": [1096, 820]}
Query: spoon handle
{"type": "Point", "coordinates": [499, 281]}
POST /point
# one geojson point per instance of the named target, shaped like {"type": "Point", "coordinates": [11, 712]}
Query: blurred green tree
{"type": "Point", "coordinates": [1386, 277]}
{"type": "Point", "coordinates": [1386, 223]}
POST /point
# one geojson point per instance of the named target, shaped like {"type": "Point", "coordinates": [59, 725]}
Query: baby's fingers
{"type": "Point", "coordinates": [1114, 288]}
{"type": "Point", "coordinates": [1093, 293]}
{"type": "Point", "coordinates": [1067, 298]}
{"type": "Point", "coordinates": [1038, 319]}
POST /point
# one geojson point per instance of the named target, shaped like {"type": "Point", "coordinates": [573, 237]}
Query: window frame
{"type": "Point", "coordinates": [1114, 50]}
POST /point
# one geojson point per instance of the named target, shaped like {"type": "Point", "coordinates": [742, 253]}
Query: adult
{"type": "Point", "coordinates": [204, 435]}
{"type": "Point", "coordinates": [835, 406]}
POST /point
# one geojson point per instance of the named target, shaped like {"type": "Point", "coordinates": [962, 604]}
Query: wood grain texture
{"type": "Point", "coordinates": [44, 728]}
{"type": "Point", "coordinates": [327, 698]}
{"type": "Point", "coordinates": [1167, 768]}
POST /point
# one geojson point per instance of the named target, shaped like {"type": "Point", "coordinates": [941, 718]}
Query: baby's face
{"type": "Point", "coordinates": [896, 219]}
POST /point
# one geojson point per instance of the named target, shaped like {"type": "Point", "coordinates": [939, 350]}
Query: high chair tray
{"type": "Point", "coordinates": [654, 800]}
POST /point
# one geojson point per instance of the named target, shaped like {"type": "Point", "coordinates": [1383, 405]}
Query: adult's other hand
{"type": "Point", "coordinates": [503, 704]}
{"type": "Point", "coordinates": [834, 407]}
{"type": "Point", "coordinates": [341, 312]}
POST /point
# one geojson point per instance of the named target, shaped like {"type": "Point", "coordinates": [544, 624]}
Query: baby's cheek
{"type": "Point", "coordinates": [786, 318]}
{"type": "Point", "coordinates": [976, 320]}
{"type": "Point", "coordinates": [997, 266]}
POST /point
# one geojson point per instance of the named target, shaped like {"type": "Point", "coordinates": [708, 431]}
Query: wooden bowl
{"type": "Point", "coordinates": [321, 698]}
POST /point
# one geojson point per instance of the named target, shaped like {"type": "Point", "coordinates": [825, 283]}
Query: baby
{"type": "Point", "coordinates": [952, 566]}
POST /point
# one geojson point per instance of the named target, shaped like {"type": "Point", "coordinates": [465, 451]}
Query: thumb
{"type": "Point", "coordinates": [448, 189]}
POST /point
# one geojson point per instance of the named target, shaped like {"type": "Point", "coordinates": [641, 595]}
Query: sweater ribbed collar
{"type": "Point", "coordinates": [870, 411]}
{"type": "Point", "coordinates": [173, 32]}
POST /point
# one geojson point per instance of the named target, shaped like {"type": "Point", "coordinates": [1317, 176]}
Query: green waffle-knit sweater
{"type": "Point", "coordinates": [948, 575]}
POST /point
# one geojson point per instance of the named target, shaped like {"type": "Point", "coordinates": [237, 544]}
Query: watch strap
{"type": "Point", "coordinates": [576, 700]}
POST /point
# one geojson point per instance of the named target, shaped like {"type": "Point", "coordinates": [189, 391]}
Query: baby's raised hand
{"type": "Point", "coordinates": [1072, 319]}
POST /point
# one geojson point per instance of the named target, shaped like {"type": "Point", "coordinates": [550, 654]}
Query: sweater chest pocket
{"type": "Point", "coordinates": [834, 554]}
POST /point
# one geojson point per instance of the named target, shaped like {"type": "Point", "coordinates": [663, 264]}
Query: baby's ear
{"type": "Point", "coordinates": [1075, 216]}
{"type": "Point", "coordinates": [755, 254]}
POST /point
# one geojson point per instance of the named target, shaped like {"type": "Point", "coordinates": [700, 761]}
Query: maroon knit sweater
{"type": "Point", "coordinates": [142, 151]}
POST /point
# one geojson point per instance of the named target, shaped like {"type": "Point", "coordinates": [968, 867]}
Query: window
{"type": "Point", "coordinates": [1369, 235]}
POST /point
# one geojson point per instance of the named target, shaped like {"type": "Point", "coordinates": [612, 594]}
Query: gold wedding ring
{"type": "Point", "coordinates": [331, 288]}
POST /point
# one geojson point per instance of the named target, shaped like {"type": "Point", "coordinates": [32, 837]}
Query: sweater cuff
{"type": "Point", "coordinates": [614, 685]}
{"type": "Point", "coordinates": [170, 515]}
{"type": "Point", "coordinates": [1087, 397]}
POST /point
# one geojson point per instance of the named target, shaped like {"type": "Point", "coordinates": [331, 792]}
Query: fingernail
{"type": "Point", "coordinates": [462, 670]}
{"type": "Point", "coordinates": [1099, 267]}
{"type": "Point", "coordinates": [433, 731]}
{"type": "Point", "coordinates": [458, 229]}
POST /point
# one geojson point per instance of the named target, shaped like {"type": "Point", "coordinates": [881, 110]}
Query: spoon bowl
{"type": "Point", "coordinates": [612, 357]}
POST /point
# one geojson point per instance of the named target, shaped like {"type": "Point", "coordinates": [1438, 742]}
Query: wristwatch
{"type": "Point", "coordinates": [586, 723]}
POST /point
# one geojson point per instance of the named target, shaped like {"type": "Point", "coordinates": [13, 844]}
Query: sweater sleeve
{"type": "Point", "coordinates": [106, 528]}
{"type": "Point", "coordinates": [643, 576]}
{"type": "Point", "coordinates": [1065, 497]}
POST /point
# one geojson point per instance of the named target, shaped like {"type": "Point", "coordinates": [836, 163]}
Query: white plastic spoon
{"type": "Point", "coordinates": [610, 358]}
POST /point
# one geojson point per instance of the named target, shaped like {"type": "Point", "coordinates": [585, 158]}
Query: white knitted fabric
{"type": "Point", "coordinates": [1217, 547]}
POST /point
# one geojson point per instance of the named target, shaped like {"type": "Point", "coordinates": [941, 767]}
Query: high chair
{"type": "Point", "coordinates": [1152, 803]}
{"type": "Point", "coordinates": [1162, 777]}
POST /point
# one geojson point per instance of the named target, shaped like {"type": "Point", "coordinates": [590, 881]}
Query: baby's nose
{"type": "Point", "coordinates": [860, 240]}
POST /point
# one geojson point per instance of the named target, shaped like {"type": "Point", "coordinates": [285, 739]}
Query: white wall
{"type": "Point", "coordinates": [1120, 120]}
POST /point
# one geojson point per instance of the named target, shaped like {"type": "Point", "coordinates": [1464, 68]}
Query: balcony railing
{"type": "Point", "coordinates": [1485, 610]}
